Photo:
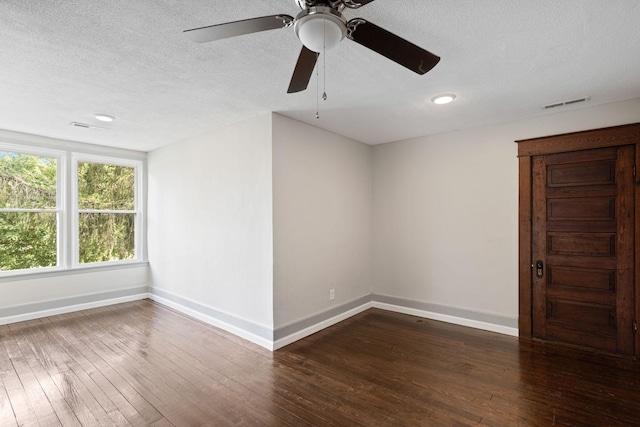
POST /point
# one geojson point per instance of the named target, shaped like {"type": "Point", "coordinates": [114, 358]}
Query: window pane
{"type": "Point", "coordinates": [27, 240]}
{"type": "Point", "coordinates": [106, 237]}
{"type": "Point", "coordinates": [105, 187]}
{"type": "Point", "coordinates": [27, 181]}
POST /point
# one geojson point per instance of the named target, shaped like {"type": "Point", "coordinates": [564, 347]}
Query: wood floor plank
{"type": "Point", "coordinates": [154, 382]}
{"type": "Point", "coordinates": [153, 373]}
{"type": "Point", "coordinates": [111, 360]}
{"type": "Point", "coordinates": [48, 390]}
{"type": "Point", "coordinates": [130, 402]}
{"type": "Point", "coordinates": [171, 357]}
{"type": "Point", "coordinates": [143, 364]}
{"type": "Point", "coordinates": [30, 404]}
{"type": "Point", "coordinates": [44, 366]}
{"type": "Point", "coordinates": [7, 417]}
{"type": "Point", "coordinates": [180, 352]}
{"type": "Point", "coordinates": [162, 423]}
{"type": "Point", "coordinates": [407, 393]}
{"type": "Point", "coordinates": [51, 356]}
{"type": "Point", "coordinates": [117, 397]}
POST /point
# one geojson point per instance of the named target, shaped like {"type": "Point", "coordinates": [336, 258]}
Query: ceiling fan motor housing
{"type": "Point", "coordinates": [334, 4]}
{"type": "Point", "coordinates": [320, 28]}
{"type": "Point", "coordinates": [305, 4]}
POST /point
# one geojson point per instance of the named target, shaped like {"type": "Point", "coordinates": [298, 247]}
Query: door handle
{"type": "Point", "coordinates": [539, 269]}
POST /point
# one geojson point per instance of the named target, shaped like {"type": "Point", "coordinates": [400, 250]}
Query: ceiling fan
{"type": "Point", "coordinates": [321, 26]}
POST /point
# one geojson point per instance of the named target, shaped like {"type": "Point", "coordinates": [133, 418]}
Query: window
{"type": "Point", "coordinates": [54, 217]}
{"type": "Point", "coordinates": [29, 210]}
{"type": "Point", "coordinates": [107, 211]}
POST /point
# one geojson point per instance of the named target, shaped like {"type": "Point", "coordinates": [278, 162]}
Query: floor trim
{"type": "Point", "coordinates": [310, 330]}
{"type": "Point", "coordinates": [39, 310]}
{"type": "Point", "coordinates": [214, 317]}
{"type": "Point", "coordinates": [259, 334]}
{"type": "Point", "coordinates": [488, 322]}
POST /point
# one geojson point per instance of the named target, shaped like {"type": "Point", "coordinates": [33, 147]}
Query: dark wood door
{"type": "Point", "coordinates": [583, 248]}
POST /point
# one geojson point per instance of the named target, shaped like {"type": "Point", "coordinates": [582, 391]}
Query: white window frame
{"type": "Point", "coordinates": [61, 212]}
{"type": "Point", "coordinates": [67, 211]}
{"type": "Point", "coordinates": [76, 211]}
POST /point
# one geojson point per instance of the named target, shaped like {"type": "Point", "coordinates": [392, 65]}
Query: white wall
{"type": "Point", "coordinates": [49, 288]}
{"type": "Point", "coordinates": [210, 223]}
{"type": "Point", "coordinates": [322, 201]}
{"type": "Point", "coordinates": [446, 211]}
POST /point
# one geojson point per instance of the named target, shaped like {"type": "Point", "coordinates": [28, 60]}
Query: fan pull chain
{"type": "Point", "coordinates": [324, 60]}
{"type": "Point", "coordinates": [317, 92]}
{"type": "Point", "coordinates": [324, 71]}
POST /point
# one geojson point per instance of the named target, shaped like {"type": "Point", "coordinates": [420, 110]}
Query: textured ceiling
{"type": "Point", "coordinates": [63, 60]}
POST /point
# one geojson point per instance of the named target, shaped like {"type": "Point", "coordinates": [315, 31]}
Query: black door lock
{"type": "Point", "coordinates": [539, 269]}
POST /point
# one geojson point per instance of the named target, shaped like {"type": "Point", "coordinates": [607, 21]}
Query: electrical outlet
{"type": "Point", "coordinates": [332, 294]}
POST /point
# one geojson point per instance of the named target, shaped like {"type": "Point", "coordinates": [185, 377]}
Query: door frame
{"type": "Point", "coordinates": [575, 141]}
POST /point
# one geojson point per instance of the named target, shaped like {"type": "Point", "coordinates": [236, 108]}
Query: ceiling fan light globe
{"type": "Point", "coordinates": [320, 31]}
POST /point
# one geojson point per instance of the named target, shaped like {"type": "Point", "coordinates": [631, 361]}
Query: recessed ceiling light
{"type": "Point", "coordinates": [104, 117]}
{"type": "Point", "coordinates": [443, 99]}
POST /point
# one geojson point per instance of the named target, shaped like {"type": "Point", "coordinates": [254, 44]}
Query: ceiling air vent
{"type": "Point", "coordinates": [565, 103]}
{"type": "Point", "coordinates": [84, 125]}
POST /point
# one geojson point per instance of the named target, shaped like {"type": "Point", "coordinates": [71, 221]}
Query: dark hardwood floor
{"type": "Point", "coordinates": [143, 364]}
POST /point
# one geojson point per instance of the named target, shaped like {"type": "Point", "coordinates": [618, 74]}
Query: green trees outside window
{"type": "Point", "coordinates": [28, 211]}
{"type": "Point", "coordinates": [106, 206]}
{"type": "Point", "coordinates": [92, 221]}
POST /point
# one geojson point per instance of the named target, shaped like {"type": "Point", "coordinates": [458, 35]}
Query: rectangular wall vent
{"type": "Point", "coordinates": [84, 125]}
{"type": "Point", "coordinates": [564, 103]}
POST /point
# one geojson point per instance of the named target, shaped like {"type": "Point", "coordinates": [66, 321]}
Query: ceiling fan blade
{"type": "Point", "coordinates": [393, 47]}
{"type": "Point", "coordinates": [303, 71]}
{"type": "Point", "coordinates": [238, 28]}
{"type": "Point", "coordinates": [355, 4]}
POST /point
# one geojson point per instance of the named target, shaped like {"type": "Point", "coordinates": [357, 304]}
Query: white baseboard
{"type": "Point", "coordinates": [317, 327]}
{"type": "Point", "coordinates": [70, 309]}
{"type": "Point", "coordinates": [320, 326]}
{"type": "Point", "coordinates": [448, 318]}
{"type": "Point", "coordinates": [268, 344]}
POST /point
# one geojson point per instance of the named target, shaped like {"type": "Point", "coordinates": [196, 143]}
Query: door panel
{"type": "Point", "coordinates": [586, 278]}
{"type": "Point", "coordinates": [583, 234]}
{"type": "Point", "coordinates": [588, 173]}
{"type": "Point", "coordinates": [582, 208]}
{"type": "Point", "coordinates": [583, 244]}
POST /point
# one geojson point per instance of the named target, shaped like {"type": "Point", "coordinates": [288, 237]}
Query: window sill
{"type": "Point", "coordinates": [14, 276]}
